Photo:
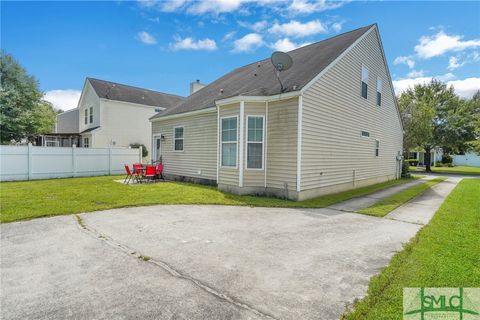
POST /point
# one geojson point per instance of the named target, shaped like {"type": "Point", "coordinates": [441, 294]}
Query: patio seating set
{"type": "Point", "coordinates": [144, 173]}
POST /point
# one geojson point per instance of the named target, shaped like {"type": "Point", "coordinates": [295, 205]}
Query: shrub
{"type": "Point", "coordinates": [412, 162]}
{"type": "Point", "coordinates": [447, 159]}
{"type": "Point", "coordinates": [438, 164]}
{"type": "Point", "coordinates": [405, 167]}
{"type": "Point", "coordinates": [450, 165]}
{"type": "Point", "coordinates": [138, 145]}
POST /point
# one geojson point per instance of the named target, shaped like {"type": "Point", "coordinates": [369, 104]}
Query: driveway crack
{"type": "Point", "coordinates": [169, 269]}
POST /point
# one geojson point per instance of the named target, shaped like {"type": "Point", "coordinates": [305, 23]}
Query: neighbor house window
{"type": "Point", "coordinates": [377, 147]}
{"type": "Point", "coordinates": [91, 114]}
{"type": "Point", "coordinates": [365, 134]}
{"type": "Point", "coordinates": [86, 143]}
{"type": "Point", "coordinates": [379, 92]}
{"type": "Point", "coordinates": [255, 142]}
{"type": "Point", "coordinates": [86, 116]}
{"type": "Point", "coordinates": [178, 139]}
{"type": "Point", "coordinates": [229, 142]}
{"type": "Point", "coordinates": [364, 81]}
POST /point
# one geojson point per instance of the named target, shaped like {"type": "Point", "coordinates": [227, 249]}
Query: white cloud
{"type": "Point", "coordinates": [286, 45]}
{"type": "Point", "coordinates": [172, 5]}
{"type": "Point", "coordinates": [441, 43]}
{"type": "Point", "coordinates": [415, 74]}
{"type": "Point", "coordinates": [465, 88]}
{"type": "Point", "coordinates": [405, 60]}
{"type": "Point", "coordinates": [146, 38]}
{"type": "Point", "coordinates": [257, 26]}
{"type": "Point", "coordinates": [214, 6]}
{"type": "Point", "coordinates": [192, 44]}
{"type": "Point", "coordinates": [307, 6]}
{"type": "Point", "coordinates": [337, 27]}
{"type": "Point", "coordinates": [298, 29]}
{"type": "Point", "coordinates": [229, 35]}
{"type": "Point", "coordinates": [63, 99]}
{"type": "Point", "coordinates": [454, 63]}
{"type": "Point", "coordinates": [248, 43]}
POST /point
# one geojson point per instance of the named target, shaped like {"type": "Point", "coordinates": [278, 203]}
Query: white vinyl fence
{"type": "Point", "coordinates": [29, 162]}
{"type": "Point", "coordinates": [468, 159]}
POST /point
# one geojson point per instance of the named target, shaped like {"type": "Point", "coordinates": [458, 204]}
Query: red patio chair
{"type": "Point", "coordinates": [149, 173]}
{"type": "Point", "coordinates": [129, 175]}
{"type": "Point", "coordinates": [138, 168]}
{"type": "Point", "coordinates": [159, 171]}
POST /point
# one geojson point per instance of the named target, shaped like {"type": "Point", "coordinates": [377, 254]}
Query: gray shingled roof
{"type": "Point", "coordinates": [258, 79]}
{"type": "Point", "coordinates": [120, 92]}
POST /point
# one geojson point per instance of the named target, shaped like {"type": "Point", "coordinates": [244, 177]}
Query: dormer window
{"type": "Point", "coordinates": [364, 81]}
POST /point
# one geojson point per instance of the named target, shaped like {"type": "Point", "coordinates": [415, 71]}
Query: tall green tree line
{"type": "Point", "coordinates": [23, 112]}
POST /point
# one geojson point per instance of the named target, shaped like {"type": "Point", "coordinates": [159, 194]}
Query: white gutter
{"type": "Point", "coordinates": [240, 98]}
{"type": "Point", "coordinates": [185, 114]}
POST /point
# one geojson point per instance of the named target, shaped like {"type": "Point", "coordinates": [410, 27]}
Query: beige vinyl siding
{"type": "Point", "coordinates": [199, 145]}
{"type": "Point", "coordinates": [253, 177]}
{"type": "Point", "coordinates": [229, 176]}
{"type": "Point", "coordinates": [282, 144]}
{"type": "Point", "coordinates": [334, 114]}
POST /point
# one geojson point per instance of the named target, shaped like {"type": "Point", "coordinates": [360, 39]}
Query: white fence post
{"type": "Point", "coordinates": [30, 162]}
{"type": "Point", "coordinates": [140, 154]}
{"type": "Point", "coordinates": [74, 160]}
{"type": "Point", "coordinates": [109, 161]}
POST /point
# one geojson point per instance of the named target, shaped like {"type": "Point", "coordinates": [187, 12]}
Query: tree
{"type": "Point", "coordinates": [434, 116]}
{"type": "Point", "coordinates": [23, 113]}
{"type": "Point", "coordinates": [473, 107]}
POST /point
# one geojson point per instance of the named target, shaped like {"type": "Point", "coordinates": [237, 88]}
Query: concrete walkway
{"type": "Point", "coordinates": [359, 203]}
{"type": "Point", "coordinates": [422, 208]}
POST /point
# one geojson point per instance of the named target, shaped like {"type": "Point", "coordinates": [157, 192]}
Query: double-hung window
{"type": "Point", "coordinates": [178, 138]}
{"type": "Point", "coordinates": [86, 143]}
{"type": "Point", "coordinates": [86, 116]}
{"type": "Point", "coordinates": [379, 92]}
{"type": "Point", "coordinates": [255, 142]}
{"type": "Point", "coordinates": [364, 81]}
{"type": "Point", "coordinates": [91, 114]}
{"type": "Point", "coordinates": [229, 142]}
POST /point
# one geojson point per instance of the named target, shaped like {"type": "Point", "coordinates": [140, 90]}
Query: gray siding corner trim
{"type": "Point", "coordinates": [299, 143]}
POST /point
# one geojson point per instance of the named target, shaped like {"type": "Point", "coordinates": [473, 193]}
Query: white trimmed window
{"type": "Point", "coordinates": [86, 116]}
{"type": "Point", "coordinates": [364, 82]}
{"type": "Point", "coordinates": [86, 143]}
{"type": "Point", "coordinates": [178, 138]}
{"type": "Point", "coordinates": [255, 142]}
{"type": "Point", "coordinates": [91, 114]}
{"type": "Point", "coordinates": [229, 142]}
{"type": "Point", "coordinates": [377, 147]}
{"type": "Point", "coordinates": [379, 92]}
{"type": "Point", "coordinates": [365, 134]}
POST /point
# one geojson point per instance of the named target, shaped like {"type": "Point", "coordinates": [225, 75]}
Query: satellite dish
{"type": "Point", "coordinates": [281, 62]}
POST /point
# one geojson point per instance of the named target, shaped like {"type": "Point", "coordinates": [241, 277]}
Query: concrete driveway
{"type": "Point", "coordinates": [193, 262]}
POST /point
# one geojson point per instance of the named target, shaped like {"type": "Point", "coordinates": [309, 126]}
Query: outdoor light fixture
{"type": "Point", "coordinates": [162, 137]}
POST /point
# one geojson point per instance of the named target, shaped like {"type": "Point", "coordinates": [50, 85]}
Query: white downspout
{"type": "Point", "coordinates": [240, 162]}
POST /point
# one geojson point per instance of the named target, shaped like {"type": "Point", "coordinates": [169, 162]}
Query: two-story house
{"type": "Point", "coordinates": [111, 115]}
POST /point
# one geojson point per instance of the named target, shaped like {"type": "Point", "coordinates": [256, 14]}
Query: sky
{"type": "Point", "coordinates": [164, 46]}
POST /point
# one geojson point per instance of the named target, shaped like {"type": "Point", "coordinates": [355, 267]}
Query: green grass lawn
{"type": "Point", "coordinates": [456, 169]}
{"type": "Point", "coordinates": [444, 253]}
{"type": "Point", "coordinates": [384, 206]}
{"type": "Point", "coordinates": [31, 199]}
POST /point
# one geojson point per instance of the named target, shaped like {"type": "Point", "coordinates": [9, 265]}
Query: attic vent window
{"type": "Point", "coordinates": [364, 81]}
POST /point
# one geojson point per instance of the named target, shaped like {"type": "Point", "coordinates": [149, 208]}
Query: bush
{"type": "Point", "coordinates": [138, 145]}
{"type": "Point", "coordinates": [405, 168]}
{"type": "Point", "coordinates": [438, 164]}
{"type": "Point", "coordinates": [450, 165]}
{"type": "Point", "coordinates": [447, 159]}
{"type": "Point", "coordinates": [412, 162]}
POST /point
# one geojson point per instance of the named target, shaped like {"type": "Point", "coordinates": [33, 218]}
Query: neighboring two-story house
{"type": "Point", "coordinates": [336, 126]}
{"type": "Point", "coordinates": [111, 115]}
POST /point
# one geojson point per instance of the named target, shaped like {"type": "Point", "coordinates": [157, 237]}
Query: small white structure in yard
{"type": "Point", "coordinates": [469, 159]}
{"type": "Point", "coordinates": [29, 162]}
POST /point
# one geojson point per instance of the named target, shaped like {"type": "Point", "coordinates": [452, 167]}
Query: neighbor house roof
{"type": "Point", "coordinates": [258, 79]}
{"type": "Point", "coordinates": [120, 92]}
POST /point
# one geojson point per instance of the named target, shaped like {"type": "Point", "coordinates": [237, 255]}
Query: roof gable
{"type": "Point", "coordinates": [258, 79]}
